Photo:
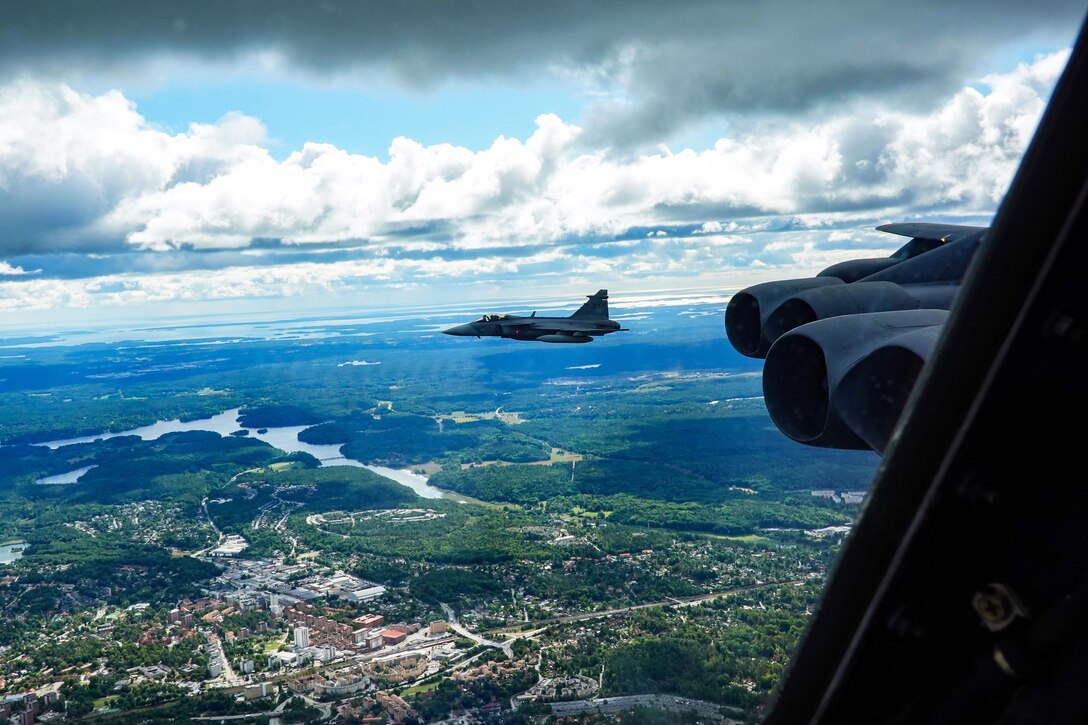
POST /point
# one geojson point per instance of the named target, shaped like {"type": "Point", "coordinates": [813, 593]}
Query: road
{"type": "Point", "coordinates": [324, 707]}
{"type": "Point", "coordinates": [247, 716]}
{"type": "Point", "coordinates": [226, 678]}
{"type": "Point", "coordinates": [451, 617]}
{"type": "Point", "coordinates": [670, 602]}
{"type": "Point", "coordinates": [671, 703]}
{"type": "Point", "coordinates": [208, 516]}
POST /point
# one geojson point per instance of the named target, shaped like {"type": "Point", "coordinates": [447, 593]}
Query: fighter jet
{"type": "Point", "coordinates": [590, 321]}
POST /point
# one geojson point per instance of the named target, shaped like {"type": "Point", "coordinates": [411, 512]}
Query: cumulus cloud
{"type": "Point", "coordinates": [9, 270]}
{"type": "Point", "coordinates": [209, 213]}
{"type": "Point", "coordinates": [655, 67]}
{"type": "Point", "coordinates": [235, 283]}
{"type": "Point", "coordinates": [69, 160]}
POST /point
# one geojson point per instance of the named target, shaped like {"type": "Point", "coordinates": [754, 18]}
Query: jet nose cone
{"type": "Point", "coordinates": [460, 330]}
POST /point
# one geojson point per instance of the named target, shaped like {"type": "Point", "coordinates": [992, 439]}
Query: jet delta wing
{"type": "Point", "coordinates": [589, 321]}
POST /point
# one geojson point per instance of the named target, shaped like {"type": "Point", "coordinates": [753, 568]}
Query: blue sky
{"type": "Point", "coordinates": [163, 160]}
{"type": "Point", "coordinates": [362, 119]}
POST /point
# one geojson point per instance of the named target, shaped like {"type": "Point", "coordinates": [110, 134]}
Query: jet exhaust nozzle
{"type": "Point", "coordinates": [806, 367]}
{"type": "Point", "coordinates": [749, 309]}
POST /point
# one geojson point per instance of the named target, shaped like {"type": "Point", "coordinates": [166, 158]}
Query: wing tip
{"type": "Point", "coordinates": [927, 230]}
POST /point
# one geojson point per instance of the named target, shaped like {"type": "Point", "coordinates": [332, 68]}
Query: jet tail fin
{"type": "Point", "coordinates": [596, 308]}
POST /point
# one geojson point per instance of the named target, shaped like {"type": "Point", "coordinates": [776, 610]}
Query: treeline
{"type": "Point", "coordinates": [743, 515]}
{"type": "Point", "coordinates": [334, 488]}
{"type": "Point", "coordinates": [643, 495]}
{"type": "Point", "coordinates": [467, 535]}
{"type": "Point", "coordinates": [685, 457]}
{"type": "Point", "coordinates": [275, 416]}
{"type": "Point", "coordinates": [688, 667]}
{"type": "Point", "coordinates": [648, 479]}
{"type": "Point", "coordinates": [90, 410]}
{"type": "Point", "coordinates": [454, 585]}
{"type": "Point", "coordinates": [398, 439]}
{"type": "Point", "coordinates": [513, 484]}
{"type": "Point", "coordinates": [178, 467]}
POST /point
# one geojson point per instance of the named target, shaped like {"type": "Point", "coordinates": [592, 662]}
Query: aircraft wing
{"type": "Point", "coordinates": [544, 330]}
{"type": "Point", "coordinates": [928, 230]}
{"type": "Point", "coordinates": [544, 325]}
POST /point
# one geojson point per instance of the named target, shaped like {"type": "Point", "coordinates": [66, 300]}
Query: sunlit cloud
{"type": "Point", "coordinates": [210, 214]}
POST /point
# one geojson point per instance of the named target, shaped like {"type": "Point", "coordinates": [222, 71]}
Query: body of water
{"type": "Point", "coordinates": [62, 478]}
{"type": "Point", "coordinates": [224, 423]}
{"type": "Point", "coordinates": [10, 552]}
{"type": "Point", "coordinates": [285, 438]}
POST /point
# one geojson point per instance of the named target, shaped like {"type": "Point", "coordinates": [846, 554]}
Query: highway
{"type": "Point", "coordinates": [670, 602]}
{"type": "Point", "coordinates": [707, 710]}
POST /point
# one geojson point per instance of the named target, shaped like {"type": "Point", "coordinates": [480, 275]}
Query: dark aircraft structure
{"type": "Point", "coordinates": [844, 348]}
{"type": "Point", "coordinates": [589, 321]}
{"type": "Point", "coordinates": [961, 594]}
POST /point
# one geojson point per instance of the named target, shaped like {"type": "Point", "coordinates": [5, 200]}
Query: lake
{"type": "Point", "coordinates": [285, 438]}
{"type": "Point", "coordinates": [63, 478]}
{"type": "Point", "coordinates": [11, 551]}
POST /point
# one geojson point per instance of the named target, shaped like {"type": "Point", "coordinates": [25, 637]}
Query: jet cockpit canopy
{"type": "Point", "coordinates": [493, 318]}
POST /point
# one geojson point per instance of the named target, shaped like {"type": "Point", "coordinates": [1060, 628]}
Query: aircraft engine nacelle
{"type": "Point", "coordinates": [747, 312]}
{"type": "Point", "coordinates": [564, 338]}
{"type": "Point", "coordinates": [842, 382]}
{"type": "Point", "coordinates": [855, 269]}
{"type": "Point", "coordinates": [854, 299]}
{"type": "Point", "coordinates": [845, 348]}
{"type": "Point", "coordinates": [922, 274]}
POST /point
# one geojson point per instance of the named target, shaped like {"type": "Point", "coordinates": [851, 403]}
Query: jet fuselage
{"type": "Point", "coordinates": [590, 321]}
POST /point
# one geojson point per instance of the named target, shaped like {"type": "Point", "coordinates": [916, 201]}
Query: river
{"type": "Point", "coordinates": [284, 437]}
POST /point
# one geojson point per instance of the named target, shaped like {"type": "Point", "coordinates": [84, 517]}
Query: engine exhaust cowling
{"type": "Point", "coordinates": [854, 269]}
{"type": "Point", "coordinates": [853, 299]}
{"type": "Point", "coordinates": [930, 264]}
{"type": "Point", "coordinates": [806, 366]}
{"type": "Point", "coordinates": [872, 395]}
{"type": "Point", "coordinates": [748, 310]}
{"type": "Point", "coordinates": [833, 377]}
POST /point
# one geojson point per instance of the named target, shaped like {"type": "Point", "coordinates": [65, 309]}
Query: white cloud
{"type": "Point", "coordinates": [970, 148]}
{"type": "Point", "coordinates": [96, 163]}
{"type": "Point", "coordinates": [13, 271]}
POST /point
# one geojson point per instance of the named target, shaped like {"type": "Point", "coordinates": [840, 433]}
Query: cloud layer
{"type": "Point", "coordinates": [658, 66]}
{"type": "Point", "coordinates": [209, 213]}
